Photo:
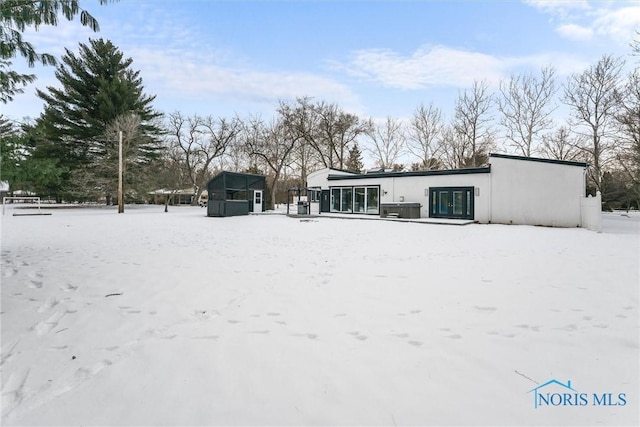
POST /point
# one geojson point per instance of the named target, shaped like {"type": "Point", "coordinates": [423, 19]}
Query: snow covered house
{"type": "Point", "coordinates": [510, 190]}
{"type": "Point", "coordinates": [233, 193]}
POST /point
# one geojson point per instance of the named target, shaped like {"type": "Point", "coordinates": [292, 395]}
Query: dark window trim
{"type": "Point", "coordinates": [538, 159]}
{"type": "Point", "coordinates": [433, 214]}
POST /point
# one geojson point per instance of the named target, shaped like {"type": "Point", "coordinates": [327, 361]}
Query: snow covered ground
{"type": "Point", "coordinates": [152, 318]}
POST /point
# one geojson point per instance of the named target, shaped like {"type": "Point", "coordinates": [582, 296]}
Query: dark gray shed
{"type": "Point", "coordinates": [234, 193]}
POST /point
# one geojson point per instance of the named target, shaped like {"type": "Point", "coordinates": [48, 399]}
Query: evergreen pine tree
{"type": "Point", "coordinates": [98, 86]}
{"type": "Point", "coordinates": [18, 15]}
{"type": "Point", "coordinates": [354, 161]}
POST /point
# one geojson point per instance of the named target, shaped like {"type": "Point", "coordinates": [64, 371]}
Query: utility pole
{"type": "Point", "coordinates": [120, 192]}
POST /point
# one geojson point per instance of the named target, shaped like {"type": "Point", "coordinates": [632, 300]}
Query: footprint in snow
{"type": "Point", "coordinates": [59, 347]}
{"type": "Point", "coordinates": [13, 390]}
{"type": "Point", "coordinates": [42, 328]}
{"type": "Point", "coordinates": [79, 376]}
{"type": "Point", "coordinates": [358, 336]}
{"type": "Point", "coordinates": [8, 272]}
{"type": "Point", "coordinates": [485, 308]}
{"type": "Point", "coordinates": [68, 287]}
{"type": "Point", "coordinates": [49, 304]}
{"type": "Point", "coordinates": [35, 284]}
{"type": "Point", "coordinates": [310, 336]}
{"type": "Point", "coordinates": [401, 335]}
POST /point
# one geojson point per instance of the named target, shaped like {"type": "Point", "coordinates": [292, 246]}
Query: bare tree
{"type": "Point", "coordinates": [455, 152]}
{"type": "Point", "coordinates": [561, 145]}
{"type": "Point", "coordinates": [424, 136]}
{"type": "Point", "coordinates": [235, 157]}
{"type": "Point", "coordinates": [201, 141]}
{"type": "Point", "coordinates": [325, 127]}
{"type": "Point", "coordinates": [472, 124]}
{"type": "Point", "coordinates": [171, 174]}
{"type": "Point", "coordinates": [304, 160]}
{"type": "Point", "coordinates": [526, 107]}
{"type": "Point", "coordinates": [591, 95]}
{"type": "Point", "coordinates": [99, 177]}
{"type": "Point", "coordinates": [387, 142]}
{"type": "Point", "coordinates": [628, 123]}
{"type": "Point", "coordinates": [273, 145]}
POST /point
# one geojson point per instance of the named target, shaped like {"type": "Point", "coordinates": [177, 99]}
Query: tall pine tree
{"type": "Point", "coordinates": [98, 86]}
{"type": "Point", "coordinates": [18, 15]}
{"type": "Point", "coordinates": [354, 161]}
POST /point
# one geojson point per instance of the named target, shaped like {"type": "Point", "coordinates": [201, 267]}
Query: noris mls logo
{"type": "Point", "coordinates": [555, 393]}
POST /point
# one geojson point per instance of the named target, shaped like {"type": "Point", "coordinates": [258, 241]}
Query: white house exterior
{"type": "Point", "coordinates": [510, 190]}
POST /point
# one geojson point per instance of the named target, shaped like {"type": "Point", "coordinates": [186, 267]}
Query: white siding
{"type": "Point", "coordinates": [536, 193]}
{"type": "Point", "coordinates": [319, 177]}
{"type": "Point", "coordinates": [416, 189]}
{"type": "Point", "coordinates": [516, 191]}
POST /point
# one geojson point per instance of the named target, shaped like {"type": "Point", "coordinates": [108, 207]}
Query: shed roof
{"type": "Point", "coordinates": [539, 159]}
{"type": "Point", "coordinates": [484, 169]}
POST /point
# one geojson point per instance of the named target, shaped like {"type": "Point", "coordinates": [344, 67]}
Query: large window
{"type": "Point", "coordinates": [335, 200]}
{"type": "Point", "coordinates": [355, 200]}
{"type": "Point", "coordinates": [347, 199]}
{"type": "Point", "coordinates": [359, 205]}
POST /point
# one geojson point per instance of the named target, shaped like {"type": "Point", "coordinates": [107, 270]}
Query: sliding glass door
{"type": "Point", "coordinates": [364, 200]}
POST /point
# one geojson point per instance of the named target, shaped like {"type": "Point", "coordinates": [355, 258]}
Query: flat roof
{"type": "Point", "coordinates": [484, 169]}
{"type": "Point", "coordinates": [539, 159]}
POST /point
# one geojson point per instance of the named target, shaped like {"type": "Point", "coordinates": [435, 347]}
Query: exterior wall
{"type": "Point", "coordinates": [536, 193]}
{"type": "Point", "coordinates": [414, 188]}
{"type": "Point", "coordinates": [517, 190]}
{"type": "Point", "coordinates": [319, 177]}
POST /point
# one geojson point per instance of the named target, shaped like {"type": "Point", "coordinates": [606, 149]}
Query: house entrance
{"type": "Point", "coordinates": [451, 202]}
{"type": "Point", "coordinates": [325, 201]}
{"type": "Point", "coordinates": [257, 200]}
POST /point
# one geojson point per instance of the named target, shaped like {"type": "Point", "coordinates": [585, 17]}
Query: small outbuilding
{"type": "Point", "coordinates": [234, 193]}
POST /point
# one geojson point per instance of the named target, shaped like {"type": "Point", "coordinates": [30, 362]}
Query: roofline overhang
{"type": "Point", "coordinates": [539, 159]}
{"type": "Point", "coordinates": [484, 169]}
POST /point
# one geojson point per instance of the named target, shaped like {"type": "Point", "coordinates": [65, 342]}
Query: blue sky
{"type": "Point", "coordinates": [373, 58]}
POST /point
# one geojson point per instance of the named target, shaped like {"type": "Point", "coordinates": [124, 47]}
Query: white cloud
{"type": "Point", "coordinates": [428, 66]}
{"type": "Point", "coordinates": [581, 21]}
{"type": "Point", "coordinates": [444, 66]}
{"type": "Point", "coordinates": [619, 24]}
{"type": "Point", "coordinates": [560, 8]}
{"type": "Point", "coordinates": [575, 32]}
{"type": "Point", "coordinates": [185, 75]}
